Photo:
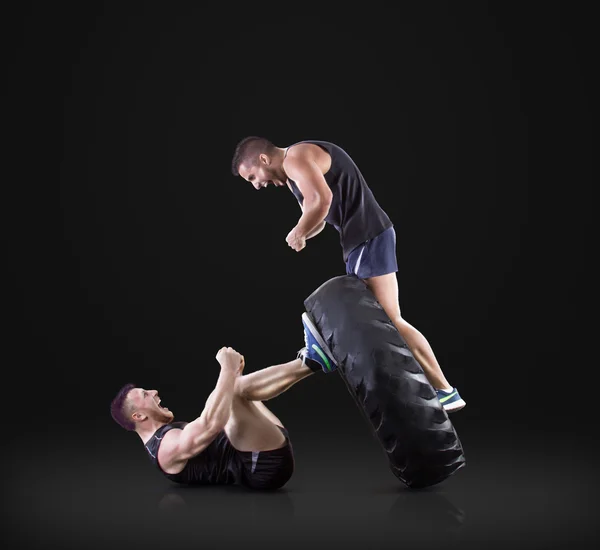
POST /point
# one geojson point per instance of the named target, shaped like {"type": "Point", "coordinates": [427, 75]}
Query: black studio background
{"type": "Point", "coordinates": [133, 254]}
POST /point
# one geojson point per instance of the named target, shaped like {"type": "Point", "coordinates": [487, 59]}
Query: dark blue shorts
{"type": "Point", "coordinates": [374, 257]}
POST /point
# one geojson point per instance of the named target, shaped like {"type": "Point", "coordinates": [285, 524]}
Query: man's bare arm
{"type": "Point", "coordinates": [316, 230]}
{"type": "Point", "coordinates": [200, 433]}
{"type": "Point", "coordinates": [313, 186]}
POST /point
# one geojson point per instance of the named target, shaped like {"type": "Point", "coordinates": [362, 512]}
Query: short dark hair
{"type": "Point", "coordinates": [117, 408]}
{"type": "Point", "coordinates": [248, 149]}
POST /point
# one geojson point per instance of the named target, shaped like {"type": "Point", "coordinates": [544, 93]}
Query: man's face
{"type": "Point", "coordinates": [266, 172]}
{"type": "Point", "coordinates": [145, 404]}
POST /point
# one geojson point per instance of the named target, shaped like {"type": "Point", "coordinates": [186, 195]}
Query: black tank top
{"type": "Point", "coordinates": [216, 465]}
{"type": "Point", "coordinates": [354, 212]}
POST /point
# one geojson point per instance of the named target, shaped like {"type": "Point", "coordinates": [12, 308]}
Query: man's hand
{"type": "Point", "coordinates": [199, 434]}
{"type": "Point", "coordinates": [230, 360]}
{"type": "Point", "coordinates": [296, 240]}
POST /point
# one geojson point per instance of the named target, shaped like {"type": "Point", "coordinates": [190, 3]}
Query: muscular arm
{"type": "Point", "coordinates": [200, 433]}
{"type": "Point", "coordinates": [317, 195]}
{"type": "Point", "coordinates": [316, 230]}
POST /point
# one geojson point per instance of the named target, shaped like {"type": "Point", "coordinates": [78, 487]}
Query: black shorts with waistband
{"type": "Point", "coordinates": [267, 469]}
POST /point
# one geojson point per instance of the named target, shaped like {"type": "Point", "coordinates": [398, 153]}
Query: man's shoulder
{"type": "Point", "coordinates": [170, 436]}
{"type": "Point", "coordinates": [169, 447]}
{"type": "Point", "coordinates": [308, 148]}
{"type": "Point", "coordinates": [300, 153]}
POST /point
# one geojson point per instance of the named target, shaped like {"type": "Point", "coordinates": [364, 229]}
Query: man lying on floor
{"type": "Point", "coordinates": [236, 439]}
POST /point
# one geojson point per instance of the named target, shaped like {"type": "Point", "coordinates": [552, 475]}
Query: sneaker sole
{"type": "Point", "coordinates": [456, 406]}
{"type": "Point", "coordinates": [315, 333]}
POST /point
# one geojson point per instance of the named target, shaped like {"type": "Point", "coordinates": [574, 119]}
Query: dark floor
{"type": "Point", "coordinates": [512, 494]}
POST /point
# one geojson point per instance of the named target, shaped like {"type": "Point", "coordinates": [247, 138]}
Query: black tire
{"type": "Point", "coordinates": [387, 382]}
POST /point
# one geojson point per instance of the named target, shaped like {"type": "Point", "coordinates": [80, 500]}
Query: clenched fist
{"type": "Point", "coordinates": [295, 240]}
{"type": "Point", "coordinates": [231, 360]}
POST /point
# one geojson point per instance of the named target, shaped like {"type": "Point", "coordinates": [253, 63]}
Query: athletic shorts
{"type": "Point", "coordinates": [267, 469]}
{"type": "Point", "coordinates": [374, 257]}
{"type": "Point", "coordinates": [222, 464]}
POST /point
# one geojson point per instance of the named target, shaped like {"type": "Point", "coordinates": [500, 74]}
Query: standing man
{"type": "Point", "coordinates": [331, 189]}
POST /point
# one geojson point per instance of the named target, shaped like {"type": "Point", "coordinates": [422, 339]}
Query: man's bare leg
{"type": "Point", "coordinates": [268, 413]}
{"type": "Point", "coordinates": [249, 429]}
{"type": "Point", "coordinates": [252, 426]}
{"type": "Point", "coordinates": [267, 383]}
{"type": "Point", "coordinates": [385, 289]}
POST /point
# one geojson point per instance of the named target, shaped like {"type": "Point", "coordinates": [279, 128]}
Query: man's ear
{"type": "Point", "coordinates": [265, 159]}
{"type": "Point", "coordinates": [138, 416]}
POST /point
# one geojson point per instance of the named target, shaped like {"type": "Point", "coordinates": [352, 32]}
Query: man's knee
{"type": "Point", "coordinates": [406, 330]}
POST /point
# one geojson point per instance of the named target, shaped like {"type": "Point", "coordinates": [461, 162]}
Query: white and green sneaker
{"type": "Point", "coordinates": [450, 400]}
{"type": "Point", "coordinates": [316, 349]}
